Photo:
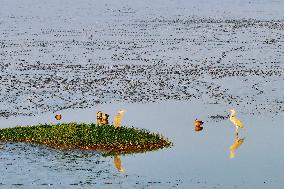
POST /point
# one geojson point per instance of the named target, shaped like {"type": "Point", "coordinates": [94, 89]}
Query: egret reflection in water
{"type": "Point", "coordinates": [238, 142]}
{"type": "Point", "coordinates": [118, 164]}
{"type": "Point", "coordinates": [118, 118]}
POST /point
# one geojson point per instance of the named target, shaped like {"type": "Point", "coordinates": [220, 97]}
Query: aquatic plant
{"type": "Point", "coordinates": [107, 139]}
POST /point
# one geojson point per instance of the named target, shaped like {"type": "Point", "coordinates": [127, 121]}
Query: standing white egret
{"type": "Point", "coordinates": [118, 118]}
{"type": "Point", "coordinates": [238, 124]}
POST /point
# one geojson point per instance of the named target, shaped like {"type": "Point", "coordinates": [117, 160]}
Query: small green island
{"type": "Point", "coordinates": [109, 140]}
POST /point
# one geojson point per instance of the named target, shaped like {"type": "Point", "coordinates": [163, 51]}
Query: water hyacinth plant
{"type": "Point", "coordinates": [107, 139]}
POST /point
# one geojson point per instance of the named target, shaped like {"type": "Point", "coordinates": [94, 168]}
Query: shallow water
{"type": "Point", "coordinates": [197, 159]}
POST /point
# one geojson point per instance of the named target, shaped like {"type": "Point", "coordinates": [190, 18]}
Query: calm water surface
{"type": "Point", "coordinates": [197, 159]}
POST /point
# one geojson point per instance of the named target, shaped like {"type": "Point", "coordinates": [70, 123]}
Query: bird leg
{"type": "Point", "coordinates": [237, 130]}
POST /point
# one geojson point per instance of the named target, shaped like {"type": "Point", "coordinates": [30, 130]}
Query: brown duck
{"type": "Point", "coordinates": [197, 125]}
{"type": "Point", "coordinates": [105, 119]}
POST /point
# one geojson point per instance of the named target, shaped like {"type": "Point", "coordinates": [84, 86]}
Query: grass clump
{"type": "Point", "coordinates": [121, 140]}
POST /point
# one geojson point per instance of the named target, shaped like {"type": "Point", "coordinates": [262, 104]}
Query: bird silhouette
{"type": "Point", "coordinates": [238, 124]}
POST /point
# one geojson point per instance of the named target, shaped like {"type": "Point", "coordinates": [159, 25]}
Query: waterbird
{"type": "Point", "coordinates": [99, 121]}
{"type": "Point", "coordinates": [105, 116]}
{"type": "Point", "coordinates": [198, 129]}
{"type": "Point", "coordinates": [197, 125]}
{"type": "Point", "coordinates": [118, 118]}
{"type": "Point", "coordinates": [235, 120]}
{"type": "Point", "coordinates": [104, 119]}
{"type": "Point", "coordinates": [99, 114]}
{"type": "Point", "coordinates": [58, 116]}
{"type": "Point", "coordinates": [99, 118]}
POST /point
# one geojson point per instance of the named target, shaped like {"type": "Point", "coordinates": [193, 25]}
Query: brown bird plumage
{"type": "Point", "coordinates": [58, 116]}
{"type": "Point", "coordinates": [99, 118]}
{"type": "Point", "coordinates": [99, 114]}
{"type": "Point", "coordinates": [104, 119]}
{"type": "Point", "coordinates": [197, 125]}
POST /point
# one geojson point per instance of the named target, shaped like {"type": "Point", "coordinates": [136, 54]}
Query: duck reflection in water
{"type": "Point", "coordinates": [238, 142]}
{"type": "Point", "coordinates": [197, 125]}
{"type": "Point", "coordinates": [118, 118]}
{"type": "Point", "coordinates": [117, 163]}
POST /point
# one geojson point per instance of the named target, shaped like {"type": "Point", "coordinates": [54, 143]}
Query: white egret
{"type": "Point", "coordinates": [238, 124]}
{"type": "Point", "coordinates": [118, 118]}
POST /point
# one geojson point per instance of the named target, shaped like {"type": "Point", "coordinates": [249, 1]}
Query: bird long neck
{"type": "Point", "coordinates": [232, 114]}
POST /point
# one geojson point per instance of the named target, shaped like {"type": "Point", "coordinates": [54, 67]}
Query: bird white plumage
{"type": "Point", "coordinates": [117, 119]}
{"type": "Point", "coordinates": [238, 124]}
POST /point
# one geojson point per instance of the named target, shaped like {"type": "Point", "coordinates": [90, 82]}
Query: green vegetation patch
{"type": "Point", "coordinates": [121, 140]}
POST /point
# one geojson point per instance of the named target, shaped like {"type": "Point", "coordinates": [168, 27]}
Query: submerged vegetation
{"type": "Point", "coordinates": [107, 138]}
